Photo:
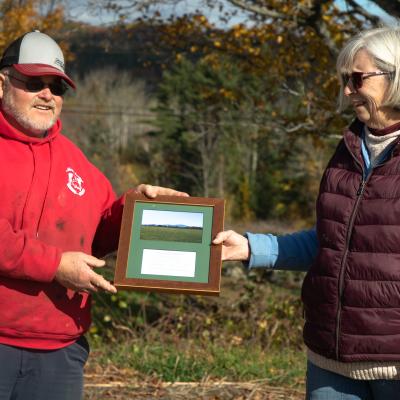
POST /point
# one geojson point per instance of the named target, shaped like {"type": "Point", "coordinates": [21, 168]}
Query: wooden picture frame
{"type": "Point", "coordinates": [165, 245]}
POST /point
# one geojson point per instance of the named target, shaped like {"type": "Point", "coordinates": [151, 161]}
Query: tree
{"type": "Point", "coordinates": [192, 101]}
{"type": "Point", "coordinates": [18, 17]}
{"type": "Point", "coordinates": [299, 13]}
{"type": "Point", "coordinates": [233, 97]}
{"type": "Point", "coordinates": [216, 138]}
{"type": "Point", "coordinates": [106, 117]}
{"type": "Point", "coordinates": [292, 43]}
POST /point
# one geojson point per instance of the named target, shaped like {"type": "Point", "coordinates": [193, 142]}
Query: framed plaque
{"type": "Point", "coordinates": [165, 245]}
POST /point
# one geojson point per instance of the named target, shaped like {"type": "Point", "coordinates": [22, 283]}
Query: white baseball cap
{"type": "Point", "coordinates": [36, 54]}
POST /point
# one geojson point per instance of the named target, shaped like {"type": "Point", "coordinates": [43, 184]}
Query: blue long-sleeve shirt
{"type": "Point", "coordinates": [294, 251]}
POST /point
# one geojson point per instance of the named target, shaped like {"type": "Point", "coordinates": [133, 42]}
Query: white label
{"type": "Point", "coordinates": [168, 263]}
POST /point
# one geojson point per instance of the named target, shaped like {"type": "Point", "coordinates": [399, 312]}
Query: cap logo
{"type": "Point", "coordinates": [59, 63]}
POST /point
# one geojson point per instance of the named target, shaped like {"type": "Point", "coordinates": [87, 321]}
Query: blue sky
{"type": "Point", "coordinates": [154, 217]}
{"type": "Point", "coordinates": [372, 8]}
{"type": "Point", "coordinates": [77, 10]}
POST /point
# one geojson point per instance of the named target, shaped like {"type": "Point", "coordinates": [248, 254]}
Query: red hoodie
{"type": "Point", "coordinates": [52, 200]}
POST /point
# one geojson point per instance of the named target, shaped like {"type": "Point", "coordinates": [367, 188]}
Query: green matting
{"type": "Point", "coordinates": [202, 250]}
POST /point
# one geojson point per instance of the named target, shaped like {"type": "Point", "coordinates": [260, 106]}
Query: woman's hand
{"type": "Point", "coordinates": [235, 247]}
{"type": "Point", "coordinates": [154, 191]}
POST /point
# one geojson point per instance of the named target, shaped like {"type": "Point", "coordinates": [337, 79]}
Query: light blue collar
{"type": "Point", "coordinates": [367, 157]}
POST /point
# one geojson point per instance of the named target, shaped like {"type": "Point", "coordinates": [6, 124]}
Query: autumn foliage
{"type": "Point", "coordinates": [19, 17]}
{"type": "Point", "coordinates": [237, 104]}
{"type": "Point", "coordinates": [244, 111]}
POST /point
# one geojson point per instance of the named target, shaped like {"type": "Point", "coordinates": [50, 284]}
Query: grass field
{"type": "Point", "coordinates": [252, 331]}
{"type": "Point", "coordinates": [165, 233]}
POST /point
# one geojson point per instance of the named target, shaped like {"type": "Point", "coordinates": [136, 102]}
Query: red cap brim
{"type": "Point", "coordinates": [42, 70]}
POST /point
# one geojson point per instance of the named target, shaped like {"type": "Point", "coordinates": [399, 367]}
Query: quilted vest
{"type": "Point", "coordinates": [351, 294]}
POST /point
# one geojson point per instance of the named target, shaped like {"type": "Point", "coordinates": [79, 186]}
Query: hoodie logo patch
{"type": "Point", "coordinates": [75, 182]}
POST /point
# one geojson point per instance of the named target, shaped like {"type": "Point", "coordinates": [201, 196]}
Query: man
{"type": "Point", "coordinates": [56, 211]}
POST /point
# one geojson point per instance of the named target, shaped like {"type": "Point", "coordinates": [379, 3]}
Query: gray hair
{"type": "Point", "coordinates": [383, 45]}
{"type": "Point", "coordinates": [5, 71]}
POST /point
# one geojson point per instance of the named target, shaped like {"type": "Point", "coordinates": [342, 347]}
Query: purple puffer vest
{"type": "Point", "coordinates": [351, 294]}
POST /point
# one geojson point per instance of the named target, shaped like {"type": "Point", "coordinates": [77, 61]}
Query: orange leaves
{"type": "Point", "coordinates": [227, 94]}
{"type": "Point", "coordinates": [53, 21]}
{"type": "Point", "coordinates": [239, 30]}
{"type": "Point", "coordinates": [15, 21]}
{"type": "Point", "coordinates": [18, 17]}
{"type": "Point", "coordinates": [290, 53]}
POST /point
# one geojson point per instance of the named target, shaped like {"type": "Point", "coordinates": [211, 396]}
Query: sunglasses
{"type": "Point", "coordinates": [356, 78]}
{"type": "Point", "coordinates": [58, 88]}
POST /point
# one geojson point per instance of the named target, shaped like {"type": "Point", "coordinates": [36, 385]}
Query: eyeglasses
{"type": "Point", "coordinates": [58, 88]}
{"type": "Point", "coordinates": [357, 78]}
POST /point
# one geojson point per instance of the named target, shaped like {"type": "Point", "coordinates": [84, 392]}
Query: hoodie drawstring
{"type": "Point", "coordinates": [47, 187]}
{"type": "Point", "coordinates": [28, 196]}
{"type": "Point", "coordinates": [30, 186]}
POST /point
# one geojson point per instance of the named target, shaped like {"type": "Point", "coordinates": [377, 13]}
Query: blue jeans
{"type": "Point", "coordinates": [27, 374]}
{"type": "Point", "coordinates": [325, 385]}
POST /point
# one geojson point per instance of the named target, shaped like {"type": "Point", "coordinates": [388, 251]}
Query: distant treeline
{"type": "Point", "coordinates": [175, 226]}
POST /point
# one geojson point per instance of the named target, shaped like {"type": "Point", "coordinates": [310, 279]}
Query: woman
{"type": "Point", "coordinates": [351, 292]}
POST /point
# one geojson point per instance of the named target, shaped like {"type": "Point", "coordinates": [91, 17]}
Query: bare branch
{"type": "Point", "coordinates": [357, 9]}
{"type": "Point", "coordinates": [287, 89]}
{"type": "Point", "coordinates": [259, 10]}
{"type": "Point", "coordinates": [303, 126]}
{"type": "Point", "coordinates": [392, 7]}
{"type": "Point", "coordinates": [316, 21]}
{"type": "Point", "coordinates": [310, 16]}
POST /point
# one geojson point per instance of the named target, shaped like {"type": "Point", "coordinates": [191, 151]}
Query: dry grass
{"type": "Point", "coordinates": [124, 384]}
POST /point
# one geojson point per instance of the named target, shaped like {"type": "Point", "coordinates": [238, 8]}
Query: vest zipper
{"type": "Point", "coordinates": [360, 192]}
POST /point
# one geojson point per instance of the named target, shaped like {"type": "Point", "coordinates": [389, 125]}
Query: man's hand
{"type": "Point", "coordinates": [235, 247]}
{"type": "Point", "coordinates": [154, 191]}
{"type": "Point", "coordinates": [75, 272]}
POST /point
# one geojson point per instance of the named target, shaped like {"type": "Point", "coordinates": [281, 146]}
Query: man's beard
{"type": "Point", "coordinates": [39, 127]}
